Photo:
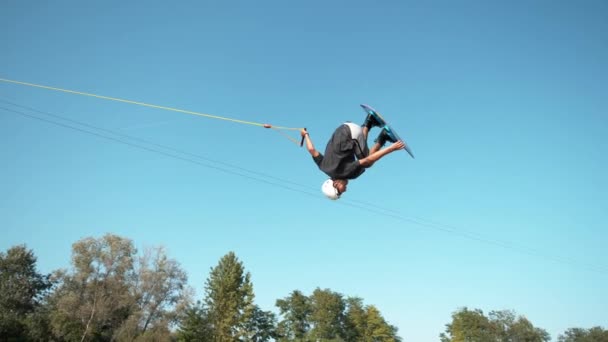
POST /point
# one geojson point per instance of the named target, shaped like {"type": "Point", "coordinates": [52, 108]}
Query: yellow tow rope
{"type": "Point", "coordinates": [278, 128]}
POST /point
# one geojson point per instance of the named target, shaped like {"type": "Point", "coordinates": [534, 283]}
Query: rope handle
{"type": "Point", "coordinates": [303, 137]}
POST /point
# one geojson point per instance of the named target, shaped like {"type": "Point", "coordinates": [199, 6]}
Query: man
{"type": "Point", "coordinates": [347, 154]}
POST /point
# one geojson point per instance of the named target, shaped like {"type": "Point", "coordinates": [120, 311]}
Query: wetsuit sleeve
{"type": "Point", "coordinates": [318, 159]}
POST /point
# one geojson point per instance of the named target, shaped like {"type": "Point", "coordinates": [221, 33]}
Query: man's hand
{"type": "Point", "coordinates": [397, 146]}
{"type": "Point", "coordinates": [309, 146]}
{"type": "Point", "coordinates": [374, 157]}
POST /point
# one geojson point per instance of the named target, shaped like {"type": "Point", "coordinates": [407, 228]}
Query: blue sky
{"type": "Point", "coordinates": [503, 103]}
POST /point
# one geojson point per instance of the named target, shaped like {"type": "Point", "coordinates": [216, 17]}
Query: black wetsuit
{"type": "Point", "coordinates": [339, 161]}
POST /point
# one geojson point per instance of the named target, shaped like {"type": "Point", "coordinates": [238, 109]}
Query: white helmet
{"type": "Point", "coordinates": [329, 190]}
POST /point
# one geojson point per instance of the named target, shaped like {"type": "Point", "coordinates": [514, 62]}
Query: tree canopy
{"type": "Point", "coordinates": [113, 292]}
{"type": "Point", "coordinates": [498, 326]}
{"type": "Point", "coordinates": [22, 289]}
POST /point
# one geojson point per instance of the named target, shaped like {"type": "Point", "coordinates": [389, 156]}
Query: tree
{"type": "Point", "coordinates": [356, 319]}
{"type": "Point", "coordinates": [468, 325]}
{"type": "Point", "coordinates": [260, 327]}
{"type": "Point", "coordinates": [160, 293]}
{"type": "Point", "coordinates": [94, 300]}
{"type": "Point", "coordinates": [327, 315]}
{"type": "Point", "coordinates": [595, 334]}
{"type": "Point", "coordinates": [377, 329]}
{"type": "Point", "coordinates": [229, 299]}
{"type": "Point", "coordinates": [110, 293]}
{"type": "Point", "coordinates": [366, 324]}
{"type": "Point", "coordinates": [500, 326]}
{"type": "Point", "coordinates": [296, 310]}
{"type": "Point", "coordinates": [194, 324]}
{"type": "Point", "coordinates": [509, 327]}
{"type": "Point", "coordinates": [22, 289]}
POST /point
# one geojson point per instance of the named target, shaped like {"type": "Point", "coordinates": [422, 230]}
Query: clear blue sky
{"type": "Point", "coordinates": [504, 104]}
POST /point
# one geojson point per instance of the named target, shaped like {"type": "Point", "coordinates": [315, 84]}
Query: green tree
{"type": "Point", "coordinates": [296, 310]}
{"type": "Point", "coordinates": [327, 315]}
{"type": "Point", "coordinates": [260, 327]}
{"type": "Point", "coordinates": [468, 326]}
{"type": "Point", "coordinates": [509, 327]}
{"type": "Point", "coordinates": [38, 323]}
{"type": "Point", "coordinates": [356, 319]}
{"type": "Point", "coordinates": [377, 329]}
{"type": "Point", "coordinates": [22, 289]}
{"type": "Point", "coordinates": [111, 294]}
{"type": "Point", "coordinates": [194, 324]}
{"type": "Point", "coordinates": [500, 326]}
{"type": "Point", "coordinates": [94, 300]}
{"type": "Point", "coordinates": [160, 292]}
{"type": "Point", "coordinates": [595, 334]}
{"type": "Point", "coordinates": [366, 324]}
{"type": "Point", "coordinates": [229, 299]}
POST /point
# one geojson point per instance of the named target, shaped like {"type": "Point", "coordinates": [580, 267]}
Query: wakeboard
{"type": "Point", "coordinates": [390, 130]}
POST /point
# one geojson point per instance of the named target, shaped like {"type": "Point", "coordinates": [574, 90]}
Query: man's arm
{"type": "Point", "coordinates": [309, 146]}
{"type": "Point", "coordinates": [378, 154]}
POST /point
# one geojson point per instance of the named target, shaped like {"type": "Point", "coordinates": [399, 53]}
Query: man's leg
{"type": "Point", "coordinates": [365, 132]}
{"type": "Point", "coordinates": [371, 121]}
{"type": "Point", "coordinates": [382, 138]}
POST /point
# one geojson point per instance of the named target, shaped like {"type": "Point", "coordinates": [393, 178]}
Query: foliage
{"type": "Point", "coordinates": [22, 290]}
{"type": "Point", "coordinates": [261, 326]}
{"type": "Point", "coordinates": [296, 310]}
{"type": "Point", "coordinates": [229, 299]}
{"type": "Point", "coordinates": [595, 334]}
{"type": "Point", "coordinates": [112, 294]}
{"type": "Point", "coordinates": [328, 316]}
{"type": "Point", "coordinates": [161, 290]}
{"type": "Point", "coordinates": [473, 325]}
{"type": "Point", "coordinates": [194, 324]}
{"type": "Point", "coordinates": [377, 329]}
{"type": "Point", "coordinates": [511, 328]}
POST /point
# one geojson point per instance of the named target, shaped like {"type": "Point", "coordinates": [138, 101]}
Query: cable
{"type": "Point", "coordinates": [122, 135]}
{"type": "Point", "coordinates": [349, 203]}
{"type": "Point", "coordinates": [279, 128]}
{"type": "Point", "coordinates": [154, 150]}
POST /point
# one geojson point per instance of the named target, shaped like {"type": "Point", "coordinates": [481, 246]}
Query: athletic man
{"type": "Point", "coordinates": [347, 154]}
